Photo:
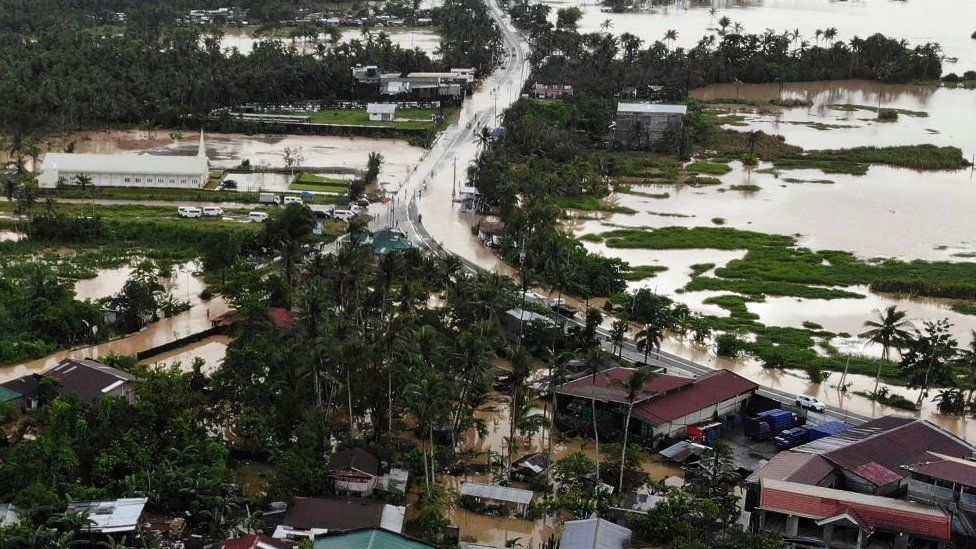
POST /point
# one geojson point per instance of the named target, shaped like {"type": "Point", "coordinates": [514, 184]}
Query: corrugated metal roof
{"type": "Point", "coordinates": [125, 163]}
{"type": "Point", "coordinates": [878, 449]}
{"type": "Point", "coordinates": [708, 390]}
{"type": "Point", "coordinates": [381, 108]}
{"type": "Point", "coordinates": [870, 512]}
{"type": "Point", "coordinates": [111, 516]}
{"type": "Point", "coordinates": [683, 450]}
{"type": "Point", "coordinates": [6, 395]}
{"type": "Point", "coordinates": [372, 538]}
{"type": "Point", "coordinates": [528, 316]}
{"type": "Point", "coordinates": [794, 467]}
{"type": "Point", "coordinates": [595, 533]}
{"type": "Point", "coordinates": [658, 108]}
{"type": "Point", "coordinates": [606, 389]}
{"type": "Point", "coordinates": [952, 469]}
{"type": "Point", "coordinates": [497, 493]}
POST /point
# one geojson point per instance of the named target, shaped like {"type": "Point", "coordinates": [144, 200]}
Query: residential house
{"type": "Point", "coordinates": [256, 542]}
{"type": "Point", "coordinates": [369, 538]}
{"type": "Point", "coordinates": [15, 400]}
{"type": "Point", "coordinates": [389, 240]}
{"type": "Point", "coordinates": [647, 126]}
{"type": "Point", "coordinates": [90, 380]}
{"type": "Point", "coordinates": [516, 498]}
{"type": "Point", "coordinates": [594, 533]}
{"type": "Point", "coordinates": [27, 387]}
{"type": "Point", "coordinates": [948, 482]}
{"type": "Point", "coordinates": [355, 471]}
{"type": "Point", "coordinates": [666, 406]}
{"type": "Point", "coordinates": [118, 516]}
{"type": "Point", "coordinates": [552, 91]}
{"type": "Point", "coordinates": [815, 516]}
{"type": "Point", "coordinates": [127, 170]}
{"type": "Point", "coordinates": [367, 74]}
{"type": "Point", "coordinates": [308, 518]}
{"type": "Point", "coordinates": [531, 466]}
{"type": "Point", "coordinates": [490, 232]}
{"type": "Point", "coordinates": [381, 112]}
{"type": "Point", "coordinates": [394, 481]}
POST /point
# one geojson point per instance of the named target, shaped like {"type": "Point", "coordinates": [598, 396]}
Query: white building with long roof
{"type": "Point", "coordinates": [127, 169]}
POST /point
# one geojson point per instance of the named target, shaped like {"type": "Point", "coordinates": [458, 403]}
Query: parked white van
{"type": "Point", "coordinates": [343, 215]}
{"type": "Point", "coordinates": [213, 211]}
{"type": "Point", "coordinates": [258, 217]}
{"type": "Point", "coordinates": [293, 200]}
{"type": "Point", "coordinates": [189, 211]}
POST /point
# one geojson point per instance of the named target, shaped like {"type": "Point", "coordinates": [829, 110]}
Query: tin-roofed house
{"type": "Point", "coordinates": [649, 126]}
{"type": "Point", "coordinates": [594, 533]}
{"type": "Point", "coordinates": [381, 112]}
{"type": "Point", "coordinates": [118, 516]}
{"type": "Point", "coordinates": [474, 495]}
{"type": "Point", "coordinates": [90, 380]}
{"type": "Point", "coordinates": [355, 471]}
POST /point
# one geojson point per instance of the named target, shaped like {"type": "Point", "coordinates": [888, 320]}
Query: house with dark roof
{"type": "Point", "coordinates": [667, 404]}
{"type": "Point", "coordinates": [27, 387]}
{"type": "Point", "coordinates": [355, 471]}
{"type": "Point", "coordinates": [530, 466]}
{"type": "Point", "coordinates": [308, 518]}
{"type": "Point", "coordinates": [948, 482]}
{"type": "Point", "coordinates": [90, 380]}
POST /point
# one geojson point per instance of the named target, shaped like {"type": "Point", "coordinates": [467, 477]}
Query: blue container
{"type": "Point", "coordinates": [792, 437]}
{"type": "Point", "coordinates": [827, 429]}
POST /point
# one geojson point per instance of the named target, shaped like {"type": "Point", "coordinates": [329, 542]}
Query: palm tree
{"type": "Point", "coordinates": [484, 137]}
{"type": "Point", "coordinates": [618, 332]}
{"type": "Point", "coordinates": [606, 25]}
{"type": "Point", "coordinates": [634, 386]}
{"type": "Point", "coordinates": [890, 330]}
{"type": "Point", "coordinates": [594, 362]}
{"type": "Point", "coordinates": [829, 34]}
{"type": "Point", "coordinates": [670, 36]}
{"type": "Point", "coordinates": [723, 23]}
{"type": "Point", "coordinates": [524, 420]}
{"type": "Point", "coordinates": [650, 337]}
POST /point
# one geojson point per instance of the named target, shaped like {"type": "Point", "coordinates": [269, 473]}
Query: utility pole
{"type": "Point", "coordinates": [454, 182]}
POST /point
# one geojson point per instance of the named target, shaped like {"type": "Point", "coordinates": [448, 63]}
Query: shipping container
{"type": "Point", "coordinates": [827, 429]}
{"type": "Point", "coordinates": [768, 424]}
{"type": "Point", "coordinates": [792, 437]}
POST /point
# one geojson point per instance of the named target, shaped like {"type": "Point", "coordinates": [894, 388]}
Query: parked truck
{"type": "Point", "coordinates": [796, 436]}
{"type": "Point", "coordinates": [768, 424]}
{"type": "Point", "coordinates": [269, 198]}
{"type": "Point", "coordinates": [704, 433]}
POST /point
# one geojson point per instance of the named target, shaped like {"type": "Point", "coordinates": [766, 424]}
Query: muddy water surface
{"type": "Point", "coordinates": [947, 22]}
{"type": "Point", "coordinates": [212, 350]}
{"type": "Point", "coordinates": [426, 40]}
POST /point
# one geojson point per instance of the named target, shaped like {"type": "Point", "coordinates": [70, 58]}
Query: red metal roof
{"type": "Point", "coordinates": [606, 389]}
{"type": "Point", "coordinates": [879, 458]}
{"type": "Point", "coordinates": [952, 469]}
{"type": "Point", "coordinates": [869, 512]}
{"type": "Point", "coordinates": [708, 390]}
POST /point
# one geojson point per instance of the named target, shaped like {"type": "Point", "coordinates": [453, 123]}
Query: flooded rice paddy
{"type": "Point", "coordinates": [947, 22]}
{"type": "Point", "coordinates": [425, 39]}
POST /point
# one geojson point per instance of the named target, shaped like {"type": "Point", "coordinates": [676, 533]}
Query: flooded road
{"type": "Point", "coordinates": [947, 22]}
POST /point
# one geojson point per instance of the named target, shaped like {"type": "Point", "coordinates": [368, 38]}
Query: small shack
{"type": "Point", "coordinates": [646, 126]}
{"type": "Point", "coordinates": [381, 112]}
{"type": "Point", "coordinates": [516, 498]}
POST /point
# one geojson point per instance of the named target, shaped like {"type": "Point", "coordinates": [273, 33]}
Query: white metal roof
{"type": "Point", "coordinates": [381, 108]}
{"type": "Point", "coordinates": [652, 108]}
{"type": "Point", "coordinates": [392, 518]}
{"type": "Point", "coordinates": [125, 163]}
{"type": "Point", "coordinates": [594, 533]}
{"type": "Point", "coordinates": [497, 493]}
{"type": "Point", "coordinates": [120, 515]}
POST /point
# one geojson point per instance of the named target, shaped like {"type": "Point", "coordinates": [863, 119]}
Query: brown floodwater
{"type": "Point", "coordinates": [947, 22]}
{"type": "Point", "coordinates": [212, 350]}
{"type": "Point", "coordinates": [11, 236]}
{"type": "Point", "coordinates": [426, 39]}
{"type": "Point", "coordinates": [184, 286]}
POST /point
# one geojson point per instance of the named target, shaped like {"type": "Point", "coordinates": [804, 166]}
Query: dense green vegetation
{"type": "Point", "coordinates": [716, 238]}
{"type": "Point", "coordinates": [55, 74]}
{"type": "Point", "coordinates": [603, 64]}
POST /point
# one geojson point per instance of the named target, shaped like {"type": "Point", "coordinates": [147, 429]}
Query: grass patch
{"type": "Point", "coordinates": [592, 204]}
{"type": "Point", "coordinates": [964, 308]}
{"type": "Point", "coordinates": [710, 168]}
{"type": "Point", "coordinates": [811, 325]}
{"type": "Point", "coordinates": [700, 268]}
{"type": "Point", "coordinates": [763, 287]}
{"type": "Point", "coordinates": [591, 237]}
{"type": "Point", "coordinates": [641, 272]}
{"type": "Point", "coordinates": [826, 166]}
{"type": "Point", "coordinates": [890, 399]}
{"type": "Point", "coordinates": [715, 238]}
{"type": "Point", "coordinates": [745, 187]}
{"type": "Point", "coordinates": [920, 157]}
{"type": "Point", "coordinates": [876, 110]}
{"type": "Point", "coordinates": [814, 181]}
{"type": "Point", "coordinates": [718, 220]}
{"type": "Point", "coordinates": [417, 119]}
{"type": "Point", "coordinates": [657, 196]}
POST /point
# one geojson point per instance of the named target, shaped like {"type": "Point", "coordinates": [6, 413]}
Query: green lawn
{"type": "Point", "coordinates": [406, 118]}
{"type": "Point", "coordinates": [318, 183]}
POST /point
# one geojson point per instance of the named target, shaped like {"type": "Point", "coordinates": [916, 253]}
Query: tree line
{"type": "Point", "coordinates": [604, 64]}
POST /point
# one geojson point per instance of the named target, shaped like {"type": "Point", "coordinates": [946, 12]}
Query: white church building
{"type": "Point", "coordinates": [126, 170]}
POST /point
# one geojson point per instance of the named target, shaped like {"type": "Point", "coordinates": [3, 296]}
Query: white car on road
{"type": "Point", "coordinates": [213, 211]}
{"type": "Point", "coordinates": [189, 211]}
{"type": "Point", "coordinates": [810, 403]}
{"type": "Point", "coordinates": [257, 217]}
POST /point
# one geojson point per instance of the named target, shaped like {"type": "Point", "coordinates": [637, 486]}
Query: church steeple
{"type": "Point", "coordinates": [202, 151]}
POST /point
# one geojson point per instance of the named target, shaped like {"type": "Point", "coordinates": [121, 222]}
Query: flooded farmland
{"type": "Point", "coordinates": [425, 39]}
